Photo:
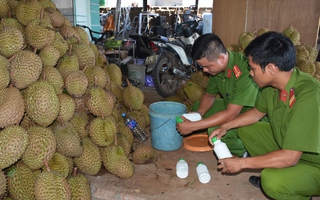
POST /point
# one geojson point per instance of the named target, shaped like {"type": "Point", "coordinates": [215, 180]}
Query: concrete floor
{"type": "Point", "coordinates": [158, 180]}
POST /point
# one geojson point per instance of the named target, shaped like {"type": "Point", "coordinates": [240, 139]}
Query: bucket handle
{"type": "Point", "coordinates": [160, 125]}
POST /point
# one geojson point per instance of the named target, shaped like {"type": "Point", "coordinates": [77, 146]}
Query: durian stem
{"type": "Point", "coordinates": [70, 50]}
{"type": "Point", "coordinates": [44, 76]}
{"type": "Point", "coordinates": [74, 172]}
{"type": "Point", "coordinates": [46, 165]}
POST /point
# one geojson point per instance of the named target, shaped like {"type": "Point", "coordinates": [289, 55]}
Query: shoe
{"type": "Point", "coordinates": [255, 180]}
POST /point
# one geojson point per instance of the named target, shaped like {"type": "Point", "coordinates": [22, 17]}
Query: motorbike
{"type": "Point", "coordinates": [170, 62]}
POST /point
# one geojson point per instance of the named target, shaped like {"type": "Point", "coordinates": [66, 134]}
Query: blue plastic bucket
{"type": "Point", "coordinates": [164, 135]}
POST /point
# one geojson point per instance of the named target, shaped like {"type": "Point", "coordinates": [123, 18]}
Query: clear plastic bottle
{"type": "Point", "coordinates": [137, 131]}
{"type": "Point", "coordinates": [193, 116]}
{"type": "Point", "coordinates": [221, 149]}
{"type": "Point", "coordinates": [182, 168]}
{"type": "Point", "coordinates": [203, 173]}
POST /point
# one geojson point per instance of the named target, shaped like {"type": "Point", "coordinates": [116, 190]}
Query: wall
{"type": "Point", "coordinates": [232, 17]}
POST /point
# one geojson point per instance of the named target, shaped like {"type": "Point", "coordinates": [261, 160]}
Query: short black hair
{"type": "Point", "coordinates": [208, 45]}
{"type": "Point", "coordinates": [272, 47]}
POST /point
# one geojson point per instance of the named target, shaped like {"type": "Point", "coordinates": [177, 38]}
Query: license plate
{"type": "Point", "coordinates": [151, 59]}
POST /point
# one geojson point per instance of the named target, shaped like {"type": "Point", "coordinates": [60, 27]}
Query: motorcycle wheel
{"type": "Point", "coordinates": [165, 81]}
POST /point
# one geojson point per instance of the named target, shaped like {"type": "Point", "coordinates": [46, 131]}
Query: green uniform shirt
{"type": "Point", "coordinates": [235, 85]}
{"type": "Point", "coordinates": [294, 115]}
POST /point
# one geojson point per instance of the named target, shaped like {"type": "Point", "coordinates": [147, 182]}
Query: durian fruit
{"type": "Point", "coordinates": [11, 40]}
{"type": "Point", "coordinates": [114, 73]}
{"type": "Point", "coordinates": [144, 154]}
{"type": "Point", "coordinates": [53, 76]}
{"type": "Point", "coordinates": [133, 97]}
{"type": "Point", "coordinates": [80, 186]}
{"type": "Point", "coordinates": [68, 140]}
{"type": "Point", "coordinates": [13, 143]}
{"type": "Point", "coordinates": [68, 63]}
{"type": "Point", "coordinates": [245, 38]}
{"type": "Point", "coordinates": [60, 43]}
{"type": "Point", "coordinates": [21, 180]}
{"type": "Point", "coordinates": [89, 162]}
{"type": "Point", "coordinates": [67, 107]}
{"type": "Point", "coordinates": [11, 106]}
{"type": "Point", "coordinates": [3, 183]}
{"type": "Point", "coordinates": [76, 83]}
{"type": "Point", "coordinates": [262, 31]}
{"type": "Point", "coordinates": [116, 90]}
{"type": "Point", "coordinates": [302, 52]}
{"type": "Point", "coordinates": [306, 66]}
{"type": "Point", "coordinates": [99, 101]}
{"type": "Point", "coordinates": [47, 3]}
{"type": "Point", "coordinates": [125, 143]}
{"type": "Point", "coordinates": [79, 121]}
{"type": "Point", "coordinates": [49, 55]}
{"type": "Point", "coordinates": [42, 145]}
{"type": "Point", "coordinates": [116, 162]}
{"type": "Point", "coordinates": [145, 112]}
{"type": "Point", "coordinates": [84, 37]}
{"type": "Point", "coordinates": [96, 76]}
{"type": "Point", "coordinates": [12, 22]}
{"type": "Point", "coordinates": [292, 33]}
{"type": "Point", "coordinates": [102, 131]}
{"type": "Point", "coordinates": [193, 91]}
{"type": "Point", "coordinates": [313, 53]}
{"type": "Point", "coordinates": [56, 17]}
{"type": "Point", "coordinates": [42, 103]}
{"type": "Point", "coordinates": [234, 47]}
{"type": "Point", "coordinates": [126, 132]}
{"type": "Point", "coordinates": [51, 185]}
{"type": "Point", "coordinates": [67, 31]}
{"type": "Point", "coordinates": [60, 164]}
{"type": "Point", "coordinates": [39, 33]}
{"type": "Point", "coordinates": [4, 11]}
{"type": "Point", "coordinates": [27, 10]}
{"type": "Point", "coordinates": [201, 78]}
{"type": "Point", "coordinates": [25, 69]}
{"type": "Point", "coordinates": [84, 53]}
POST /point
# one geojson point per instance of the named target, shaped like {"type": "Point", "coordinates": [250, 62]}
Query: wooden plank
{"type": "Point", "coordinates": [232, 17]}
{"type": "Point", "coordinates": [277, 15]}
{"type": "Point", "coordinates": [229, 19]}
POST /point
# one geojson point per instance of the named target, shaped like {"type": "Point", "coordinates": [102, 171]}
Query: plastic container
{"type": "Point", "coordinates": [207, 23]}
{"type": "Point", "coordinates": [194, 116]}
{"type": "Point", "coordinates": [203, 173]}
{"type": "Point", "coordinates": [137, 73]}
{"type": "Point", "coordinates": [137, 131]}
{"type": "Point", "coordinates": [164, 135]}
{"type": "Point", "coordinates": [182, 168]}
{"type": "Point", "coordinates": [220, 148]}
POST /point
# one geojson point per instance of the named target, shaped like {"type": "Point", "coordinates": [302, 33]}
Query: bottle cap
{"type": "Point", "coordinates": [214, 139]}
{"type": "Point", "coordinates": [199, 163]}
{"type": "Point", "coordinates": [179, 120]}
{"type": "Point", "coordinates": [182, 159]}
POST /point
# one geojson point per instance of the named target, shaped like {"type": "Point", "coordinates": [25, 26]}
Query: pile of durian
{"type": "Point", "coordinates": [192, 90]}
{"type": "Point", "coordinates": [306, 54]}
{"type": "Point", "coordinates": [60, 107]}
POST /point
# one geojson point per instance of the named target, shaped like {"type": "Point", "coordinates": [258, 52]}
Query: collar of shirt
{"type": "Point", "coordinates": [228, 71]}
{"type": "Point", "coordinates": [287, 95]}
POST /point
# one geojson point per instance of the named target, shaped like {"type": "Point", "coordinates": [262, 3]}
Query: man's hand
{"type": "Point", "coordinates": [230, 165]}
{"type": "Point", "coordinates": [219, 132]}
{"type": "Point", "coordinates": [185, 127]}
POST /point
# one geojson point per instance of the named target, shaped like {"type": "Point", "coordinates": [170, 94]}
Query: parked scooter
{"type": "Point", "coordinates": [170, 62]}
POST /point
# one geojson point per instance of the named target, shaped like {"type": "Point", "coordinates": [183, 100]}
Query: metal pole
{"type": "Point", "coordinates": [117, 17]}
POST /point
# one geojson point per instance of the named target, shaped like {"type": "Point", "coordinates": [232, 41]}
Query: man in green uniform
{"type": "Point", "coordinates": [288, 148]}
{"type": "Point", "coordinates": [229, 77]}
